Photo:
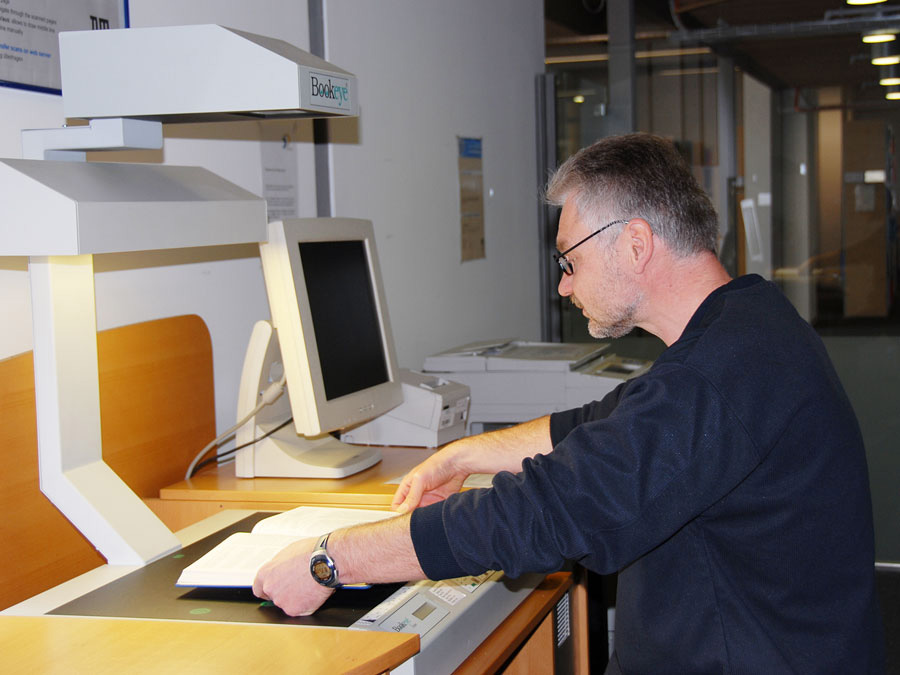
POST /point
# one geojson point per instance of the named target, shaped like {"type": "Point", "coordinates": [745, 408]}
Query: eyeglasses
{"type": "Point", "coordinates": [564, 263]}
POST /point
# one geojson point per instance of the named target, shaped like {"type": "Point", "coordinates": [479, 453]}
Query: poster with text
{"type": "Point", "coordinates": [29, 43]}
{"type": "Point", "coordinates": [471, 198]}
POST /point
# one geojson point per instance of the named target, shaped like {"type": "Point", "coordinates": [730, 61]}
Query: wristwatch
{"type": "Point", "coordinates": [321, 566]}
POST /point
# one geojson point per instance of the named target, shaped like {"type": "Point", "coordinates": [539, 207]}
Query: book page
{"type": "Point", "coordinates": [235, 561]}
{"type": "Point", "coordinates": [312, 521]}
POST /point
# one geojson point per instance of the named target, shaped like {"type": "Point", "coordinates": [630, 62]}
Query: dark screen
{"type": "Point", "coordinates": [345, 316]}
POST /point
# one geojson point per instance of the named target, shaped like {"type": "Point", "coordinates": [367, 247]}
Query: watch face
{"type": "Point", "coordinates": [321, 569]}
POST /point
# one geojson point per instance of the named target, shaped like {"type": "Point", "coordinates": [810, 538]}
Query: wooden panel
{"type": "Point", "coordinates": [157, 400]}
{"type": "Point", "coordinates": [492, 654]}
{"type": "Point", "coordinates": [157, 408]}
{"type": "Point", "coordinates": [580, 633]}
{"type": "Point", "coordinates": [536, 656]}
{"type": "Point", "coordinates": [40, 547]}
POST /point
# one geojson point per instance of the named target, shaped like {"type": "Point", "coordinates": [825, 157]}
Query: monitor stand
{"type": "Point", "coordinates": [285, 453]}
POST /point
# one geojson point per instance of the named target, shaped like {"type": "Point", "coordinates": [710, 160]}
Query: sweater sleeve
{"type": "Point", "coordinates": [430, 542]}
{"type": "Point", "coordinates": [612, 489]}
{"type": "Point", "coordinates": [561, 423]}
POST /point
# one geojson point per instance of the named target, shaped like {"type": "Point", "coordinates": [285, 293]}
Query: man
{"type": "Point", "coordinates": [727, 486]}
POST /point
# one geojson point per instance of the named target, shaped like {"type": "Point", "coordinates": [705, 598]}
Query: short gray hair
{"type": "Point", "coordinates": [638, 176]}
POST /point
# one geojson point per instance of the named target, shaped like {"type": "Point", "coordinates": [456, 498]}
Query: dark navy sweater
{"type": "Point", "coordinates": [727, 486]}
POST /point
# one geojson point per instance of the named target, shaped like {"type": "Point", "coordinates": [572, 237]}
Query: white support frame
{"type": "Point", "coordinates": [71, 143]}
{"type": "Point", "coordinates": [73, 474]}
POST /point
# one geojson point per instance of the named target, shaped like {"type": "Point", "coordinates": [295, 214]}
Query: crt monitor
{"type": "Point", "coordinates": [330, 338]}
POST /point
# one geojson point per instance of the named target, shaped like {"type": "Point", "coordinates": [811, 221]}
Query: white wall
{"type": "Point", "coordinates": [430, 71]}
{"type": "Point", "coordinates": [473, 63]}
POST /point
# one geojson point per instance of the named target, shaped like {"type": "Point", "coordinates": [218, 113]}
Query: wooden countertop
{"type": "Point", "coordinates": [57, 644]}
{"type": "Point", "coordinates": [369, 488]}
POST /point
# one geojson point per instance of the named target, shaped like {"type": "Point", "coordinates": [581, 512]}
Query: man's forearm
{"type": "Point", "coordinates": [504, 449]}
{"type": "Point", "coordinates": [380, 552]}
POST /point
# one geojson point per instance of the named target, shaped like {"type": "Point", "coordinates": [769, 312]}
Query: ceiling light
{"type": "Point", "coordinates": [864, 2]}
{"type": "Point", "coordinates": [889, 76]}
{"type": "Point", "coordinates": [893, 93]}
{"type": "Point", "coordinates": [578, 99]}
{"type": "Point", "coordinates": [880, 36]}
{"type": "Point", "coordinates": [885, 54]}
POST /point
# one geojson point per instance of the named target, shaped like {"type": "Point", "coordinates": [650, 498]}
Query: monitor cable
{"type": "Point", "coordinates": [229, 454]}
{"type": "Point", "coordinates": [272, 392]}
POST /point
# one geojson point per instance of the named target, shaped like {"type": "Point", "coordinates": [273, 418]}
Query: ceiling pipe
{"type": "Point", "coordinates": [822, 27]}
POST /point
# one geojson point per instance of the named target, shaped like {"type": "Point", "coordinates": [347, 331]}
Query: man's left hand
{"type": "Point", "coordinates": [287, 582]}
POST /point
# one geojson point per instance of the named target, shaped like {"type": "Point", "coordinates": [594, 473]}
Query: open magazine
{"type": "Point", "coordinates": [235, 561]}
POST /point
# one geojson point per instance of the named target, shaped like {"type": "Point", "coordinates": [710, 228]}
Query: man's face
{"type": "Point", "coordinates": [598, 287]}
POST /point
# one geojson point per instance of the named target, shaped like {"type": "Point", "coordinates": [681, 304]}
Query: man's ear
{"type": "Point", "coordinates": [640, 243]}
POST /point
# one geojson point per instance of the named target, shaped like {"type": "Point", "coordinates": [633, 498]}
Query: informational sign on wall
{"type": "Point", "coordinates": [279, 170]}
{"type": "Point", "coordinates": [29, 46]}
{"type": "Point", "coordinates": [471, 198]}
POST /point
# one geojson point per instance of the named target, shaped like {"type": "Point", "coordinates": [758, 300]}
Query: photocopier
{"type": "Point", "coordinates": [513, 381]}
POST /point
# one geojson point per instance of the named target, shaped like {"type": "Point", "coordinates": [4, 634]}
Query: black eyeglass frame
{"type": "Point", "coordinates": [564, 264]}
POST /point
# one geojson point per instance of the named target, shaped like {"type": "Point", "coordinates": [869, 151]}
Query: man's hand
{"type": "Point", "coordinates": [433, 480]}
{"type": "Point", "coordinates": [287, 582]}
{"type": "Point", "coordinates": [444, 472]}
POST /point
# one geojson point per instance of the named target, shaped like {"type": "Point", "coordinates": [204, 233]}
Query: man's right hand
{"type": "Point", "coordinates": [444, 472]}
{"type": "Point", "coordinates": [432, 481]}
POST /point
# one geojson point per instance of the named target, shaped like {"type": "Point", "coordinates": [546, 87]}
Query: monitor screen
{"type": "Point", "coordinates": [344, 316]}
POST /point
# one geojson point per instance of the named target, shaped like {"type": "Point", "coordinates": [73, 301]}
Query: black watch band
{"type": "Point", "coordinates": [321, 566]}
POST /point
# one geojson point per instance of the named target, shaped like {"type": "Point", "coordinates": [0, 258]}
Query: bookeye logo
{"type": "Point", "coordinates": [330, 91]}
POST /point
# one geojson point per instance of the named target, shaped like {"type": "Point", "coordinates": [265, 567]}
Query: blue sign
{"type": "Point", "coordinates": [470, 147]}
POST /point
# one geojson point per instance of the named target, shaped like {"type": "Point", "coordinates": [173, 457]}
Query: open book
{"type": "Point", "coordinates": [236, 560]}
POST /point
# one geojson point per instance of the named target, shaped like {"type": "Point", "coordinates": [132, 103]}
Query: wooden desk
{"type": "Point", "coordinates": [528, 629]}
{"type": "Point", "coordinates": [56, 644]}
{"type": "Point", "coordinates": [217, 488]}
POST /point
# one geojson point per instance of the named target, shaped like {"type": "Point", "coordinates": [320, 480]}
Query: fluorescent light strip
{"type": "Point", "coordinates": [679, 72]}
{"type": "Point", "coordinates": [654, 54]}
